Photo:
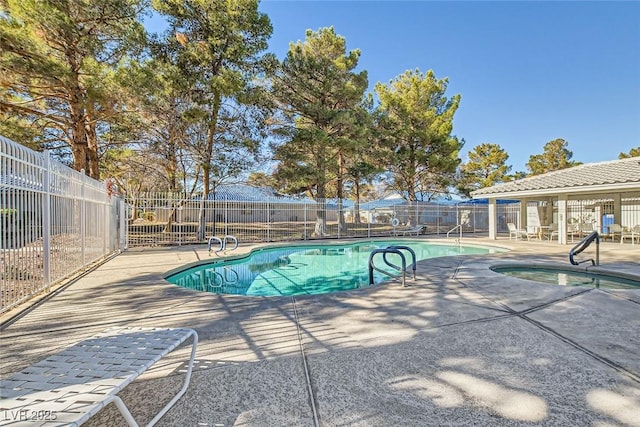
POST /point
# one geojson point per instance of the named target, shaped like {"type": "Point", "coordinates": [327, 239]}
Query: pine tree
{"type": "Point", "coordinates": [555, 156]}
{"type": "Point", "coordinates": [486, 167]}
{"type": "Point", "coordinates": [56, 59]}
{"type": "Point", "coordinates": [634, 152]}
{"type": "Point", "coordinates": [218, 48]}
{"type": "Point", "coordinates": [415, 126]}
{"type": "Point", "coordinates": [319, 92]}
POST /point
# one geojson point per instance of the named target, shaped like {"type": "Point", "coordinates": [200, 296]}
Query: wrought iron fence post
{"type": "Point", "coordinates": [268, 222]}
{"type": "Point", "coordinates": [107, 241]}
{"type": "Point", "coordinates": [304, 223]}
{"type": "Point", "coordinates": [124, 229]}
{"type": "Point", "coordinates": [226, 215]}
{"type": "Point", "coordinates": [46, 221]}
{"type": "Point", "coordinates": [339, 201]}
{"type": "Point", "coordinates": [178, 214]}
{"type": "Point", "coordinates": [83, 216]}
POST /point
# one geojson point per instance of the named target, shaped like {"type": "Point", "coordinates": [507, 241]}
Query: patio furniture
{"type": "Point", "coordinates": [515, 232]}
{"type": "Point", "coordinates": [615, 230]}
{"type": "Point", "coordinates": [551, 232]}
{"type": "Point", "coordinates": [417, 229]}
{"type": "Point", "coordinates": [69, 387]}
{"type": "Point", "coordinates": [534, 232]}
{"type": "Point", "coordinates": [633, 234]}
{"type": "Point", "coordinates": [586, 228]}
{"type": "Point", "coordinates": [573, 230]}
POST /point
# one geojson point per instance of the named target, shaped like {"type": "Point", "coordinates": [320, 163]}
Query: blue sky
{"type": "Point", "coordinates": [528, 72]}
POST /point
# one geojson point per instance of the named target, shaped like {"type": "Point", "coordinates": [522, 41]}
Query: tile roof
{"type": "Point", "coordinates": [624, 173]}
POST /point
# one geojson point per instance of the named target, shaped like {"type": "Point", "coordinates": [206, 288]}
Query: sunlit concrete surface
{"type": "Point", "coordinates": [462, 345]}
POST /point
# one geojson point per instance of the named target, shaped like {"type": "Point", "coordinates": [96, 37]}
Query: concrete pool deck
{"type": "Point", "coordinates": [461, 346]}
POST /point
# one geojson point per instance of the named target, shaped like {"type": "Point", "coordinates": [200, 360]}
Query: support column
{"type": "Point", "coordinates": [493, 223]}
{"type": "Point", "coordinates": [523, 214]}
{"type": "Point", "coordinates": [549, 212]}
{"type": "Point", "coordinates": [562, 219]}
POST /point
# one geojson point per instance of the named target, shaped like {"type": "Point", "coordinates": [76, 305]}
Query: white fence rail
{"type": "Point", "coordinates": [54, 221]}
{"type": "Point", "coordinates": [175, 219]}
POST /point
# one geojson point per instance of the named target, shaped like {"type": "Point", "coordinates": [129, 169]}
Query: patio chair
{"type": "Point", "coordinates": [615, 230]}
{"type": "Point", "coordinates": [534, 232]}
{"type": "Point", "coordinates": [633, 234]}
{"type": "Point", "coordinates": [552, 231]}
{"type": "Point", "coordinates": [586, 228]}
{"type": "Point", "coordinates": [514, 232]}
{"type": "Point", "coordinates": [573, 230]}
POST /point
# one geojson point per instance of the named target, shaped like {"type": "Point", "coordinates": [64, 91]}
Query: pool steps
{"type": "Point", "coordinates": [394, 249]}
{"type": "Point", "coordinates": [223, 243]}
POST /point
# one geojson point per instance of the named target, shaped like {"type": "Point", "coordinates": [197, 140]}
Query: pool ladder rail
{"type": "Point", "coordinates": [584, 244]}
{"type": "Point", "coordinates": [223, 243]}
{"type": "Point", "coordinates": [394, 249]}
{"type": "Point", "coordinates": [457, 227]}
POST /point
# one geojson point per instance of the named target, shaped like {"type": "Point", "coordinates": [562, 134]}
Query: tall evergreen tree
{"type": "Point", "coordinates": [486, 167]}
{"type": "Point", "coordinates": [55, 58]}
{"type": "Point", "coordinates": [555, 156]}
{"type": "Point", "coordinates": [634, 152]}
{"type": "Point", "coordinates": [319, 91]}
{"type": "Point", "coordinates": [415, 127]}
{"type": "Point", "coordinates": [218, 46]}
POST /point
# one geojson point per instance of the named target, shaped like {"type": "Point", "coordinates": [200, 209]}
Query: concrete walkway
{"type": "Point", "coordinates": [461, 346]}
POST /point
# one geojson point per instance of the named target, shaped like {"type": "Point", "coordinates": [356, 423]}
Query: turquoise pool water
{"type": "Point", "coordinates": [568, 278]}
{"type": "Point", "coordinates": [305, 270]}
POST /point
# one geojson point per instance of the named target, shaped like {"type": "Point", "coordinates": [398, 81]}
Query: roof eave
{"type": "Point", "coordinates": [590, 189]}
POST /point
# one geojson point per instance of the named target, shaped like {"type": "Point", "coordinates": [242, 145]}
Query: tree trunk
{"type": "Point", "coordinates": [92, 144]}
{"type": "Point", "coordinates": [77, 113]}
{"type": "Point", "coordinates": [202, 217]}
{"type": "Point", "coordinates": [79, 144]}
{"type": "Point", "coordinates": [321, 212]}
{"type": "Point", "coordinates": [356, 208]}
{"type": "Point", "coordinates": [173, 145]}
{"type": "Point", "coordinates": [342, 226]}
{"type": "Point", "coordinates": [206, 165]}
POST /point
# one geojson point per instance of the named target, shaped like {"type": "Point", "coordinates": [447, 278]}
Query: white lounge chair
{"type": "Point", "coordinates": [552, 231]}
{"type": "Point", "coordinates": [71, 386]}
{"type": "Point", "coordinates": [615, 230]}
{"type": "Point", "coordinates": [417, 229]}
{"type": "Point", "coordinates": [516, 233]}
{"type": "Point", "coordinates": [633, 234]}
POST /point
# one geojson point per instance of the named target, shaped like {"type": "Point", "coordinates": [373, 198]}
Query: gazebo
{"type": "Point", "coordinates": [576, 200]}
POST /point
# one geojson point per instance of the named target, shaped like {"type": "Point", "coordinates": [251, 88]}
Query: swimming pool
{"type": "Point", "coordinates": [566, 277]}
{"type": "Point", "coordinates": [305, 270]}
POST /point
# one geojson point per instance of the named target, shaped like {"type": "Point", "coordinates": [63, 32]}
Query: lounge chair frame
{"type": "Point", "coordinates": [516, 233]}
{"type": "Point", "coordinates": [404, 231]}
{"type": "Point", "coordinates": [633, 234]}
{"type": "Point", "coordinates": [71, 386]}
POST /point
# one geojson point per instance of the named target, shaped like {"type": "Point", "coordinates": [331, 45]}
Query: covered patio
{"type": "Point", "coordinates": [571, 203]}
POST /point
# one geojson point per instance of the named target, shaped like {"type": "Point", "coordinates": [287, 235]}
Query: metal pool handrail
{"type": "Point", "coordinates": [392, 250]}
{"type": "Point", "coordinates": [223, 243]}
{"type": "Point", "coordinates": [459, 226]}
{"type": "Point", "coordinates": [405, 248]}
{"type": "Point", "coordinates": [584, 244]}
